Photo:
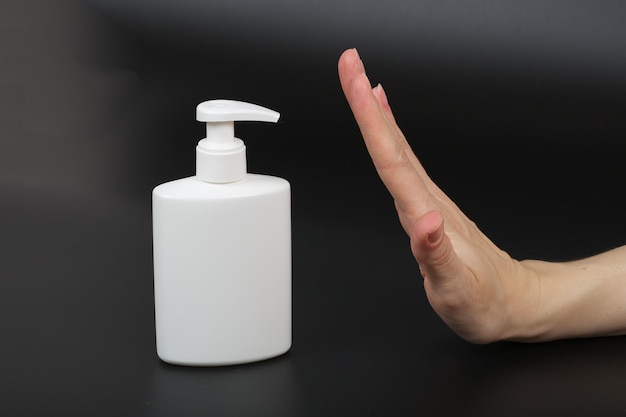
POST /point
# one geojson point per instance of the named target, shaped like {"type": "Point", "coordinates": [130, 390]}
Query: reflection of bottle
{"type": "Point", "coordinates": [222, 252]}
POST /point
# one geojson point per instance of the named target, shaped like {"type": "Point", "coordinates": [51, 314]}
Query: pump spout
{"type": "Point", "coordinates": [234, 111]}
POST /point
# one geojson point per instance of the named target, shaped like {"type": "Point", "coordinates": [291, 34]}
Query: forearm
{"type": "Point", "coordinates": [583, 298]}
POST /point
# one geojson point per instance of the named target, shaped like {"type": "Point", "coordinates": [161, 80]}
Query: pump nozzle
{"type": "Point", "coordinates": [221, 157]}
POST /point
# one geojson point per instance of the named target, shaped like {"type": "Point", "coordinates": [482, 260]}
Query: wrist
{"type": "Point", "coordinates": [527, 320]}
{"type": "Point", "coordinates": [583, 298]}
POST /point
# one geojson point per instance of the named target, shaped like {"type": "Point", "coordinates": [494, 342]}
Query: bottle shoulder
{"type": "Point", "coordinates": [194, 188]}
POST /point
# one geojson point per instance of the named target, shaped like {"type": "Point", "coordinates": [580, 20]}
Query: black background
{"type": "Point", "coordinates": [516, 109]}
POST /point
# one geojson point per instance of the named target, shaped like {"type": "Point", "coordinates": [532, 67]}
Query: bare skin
{"type": "Point", "coordinates": [482, 293]}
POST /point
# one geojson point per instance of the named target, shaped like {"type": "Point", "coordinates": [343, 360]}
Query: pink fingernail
{"type": "Point", "coordinates": [360, 63]}
{"type": "Point", "coordinates": [382, 94]}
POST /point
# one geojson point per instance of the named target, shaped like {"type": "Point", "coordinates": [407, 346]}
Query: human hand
{"type": "Point", "coordinates": [477, 289]}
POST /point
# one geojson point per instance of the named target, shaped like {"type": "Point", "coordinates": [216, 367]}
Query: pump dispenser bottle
{"type": "Point", "coordinates": [222, 252]}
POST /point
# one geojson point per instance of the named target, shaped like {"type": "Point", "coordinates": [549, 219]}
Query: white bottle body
{"type": "Point", "coordinates": [222, 270]}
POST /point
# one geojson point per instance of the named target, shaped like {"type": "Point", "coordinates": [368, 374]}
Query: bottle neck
{"type": "Point", "coordinates": [220, 165]}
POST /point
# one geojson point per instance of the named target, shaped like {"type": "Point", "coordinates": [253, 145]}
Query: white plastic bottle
{"type": "Point", "coordinates": [222, 252]}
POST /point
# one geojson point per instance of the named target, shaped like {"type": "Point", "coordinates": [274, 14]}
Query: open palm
{"type": "Point", "coordinates": [476, 288]}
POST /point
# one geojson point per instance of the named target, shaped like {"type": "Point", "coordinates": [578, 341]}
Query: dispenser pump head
{"type": "Point", "coordinates": [221, 157]}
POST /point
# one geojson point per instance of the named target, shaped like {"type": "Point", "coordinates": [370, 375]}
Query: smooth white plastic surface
{"type": "Point", "coordinates": [221, 157]}
{"type": "Point", "coordinates": [222, 267]}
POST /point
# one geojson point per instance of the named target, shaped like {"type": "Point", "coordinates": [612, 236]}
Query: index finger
{"type": "Point", "coordinates": [386, 149]}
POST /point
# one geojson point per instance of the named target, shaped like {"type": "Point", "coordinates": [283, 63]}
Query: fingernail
{"type": "Point", "coordinates": [360, 61]}
{"type": "Point", "coordinates": [382, 94]}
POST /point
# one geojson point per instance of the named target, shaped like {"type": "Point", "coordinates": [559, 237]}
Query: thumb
{"type": "Point", "coordinates": [433, 250]}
